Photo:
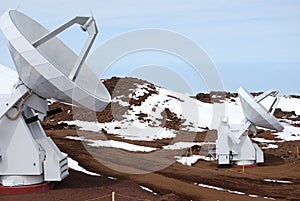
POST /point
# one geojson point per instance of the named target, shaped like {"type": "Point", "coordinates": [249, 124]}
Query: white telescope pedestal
{"type": "Point", "coordinates": [237, 152]}
{"type": "Point", "coordinates": [28, 156]}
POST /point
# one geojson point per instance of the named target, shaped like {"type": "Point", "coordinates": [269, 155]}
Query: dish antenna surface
{"type": "Point", "coordinates": [47, 69]}
{"type": "Point", "coordinates": [234, 146]}
{"type": "Point", "coordinates": [256, 113]}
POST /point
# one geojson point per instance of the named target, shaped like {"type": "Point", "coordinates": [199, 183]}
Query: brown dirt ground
{"type": "Point", "coordinates": [179, 179]}
{"type": "Point", "coordinates": [175, 182]}
{"type": "Point", "coordinates": [80, 187]}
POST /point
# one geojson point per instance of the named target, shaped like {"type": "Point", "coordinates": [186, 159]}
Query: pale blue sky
{"type": "Point", "coordinates": [254, 43]}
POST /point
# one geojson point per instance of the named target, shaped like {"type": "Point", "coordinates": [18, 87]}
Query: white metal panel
{"type": "Point", "coordinates": [22, 155]}
{"type": "Point", "coordinates": [13, 99]}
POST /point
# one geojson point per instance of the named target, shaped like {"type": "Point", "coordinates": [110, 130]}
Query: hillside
{"type": "Point", "coordinates": [146, 128]}
{"type": "Point", "coordinates": [159, 139]}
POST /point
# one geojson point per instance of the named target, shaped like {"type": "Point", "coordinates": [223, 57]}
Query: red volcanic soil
{"type": "Point", "coordinates": [180, 179]}
{"type": "Point", "coordinates": [176, 182]}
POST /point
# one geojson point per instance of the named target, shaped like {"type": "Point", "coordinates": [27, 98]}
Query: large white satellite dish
{"type": "Point", "coordinates": [234, 146]}
{"type": "Point", "coordinates": [256, 113]}
{"type": "Point", "coordinates": [47, 68]}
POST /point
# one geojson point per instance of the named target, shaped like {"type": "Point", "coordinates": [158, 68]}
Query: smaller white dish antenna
{"type": "Point", "coordinates": [234, 145]}
{"type": "Point", "coordinates": [257, 114]}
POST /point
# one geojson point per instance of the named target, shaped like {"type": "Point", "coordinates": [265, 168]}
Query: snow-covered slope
{"type": "Point", "coordinates": [288, 103]}
{"type": "Point", "coordinates": [152, 113]}
{"type": "Point", "coordinates": [146, 121]}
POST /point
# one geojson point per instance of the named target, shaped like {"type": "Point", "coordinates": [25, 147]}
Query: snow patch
{"type": "Point", "coordinates": [263, 140]}
{"type": "Point", "coordinates": [289, 104]}
{"type": "Point", "coordinates": [230, 191]}
{"type": "Point", "coordinates": [141, 90]}
{"type": "Point", "coordinates": [270, 146]}
{"type": "Point", "coordinates": [112, 178]}
{"type": "Point", "coordinates": [220, 189]}
{"type": "Point", "coordinates": [278, 181]}
{"type": "Point", "coordinates": [113, 144]}
{"type": "Point", "coordinates": [190, 160]}
{"type": "Point", "coordinates": [290, 133]}
{"type": "Point", "coordinates": [75, 166]}
{"type": "Point", "coordinates": [269, 198]}
{"type": "Point", "coordinates": [236, 192]}
{"type": "Point", "coordinates": [148, 189]}
{"type": "Point", "coordinates": [184, 145]}
{"type": "Point", "coordinates": [118, 100]}
{"type": "Point", "coordinates": [126, 131]}
{"type": "Point", "coordinates": [211, 187]}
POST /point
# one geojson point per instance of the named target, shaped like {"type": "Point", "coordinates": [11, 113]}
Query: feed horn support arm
{"type": "Point", "coordinates": [87, 24]}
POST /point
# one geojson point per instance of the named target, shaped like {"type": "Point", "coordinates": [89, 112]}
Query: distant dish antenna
{"type": "Point", "coordinates": [234, 146]}
{"type": "Point", "coordinates": [47, 69]}
{"type": "Point", "coordinates": [256, 113]}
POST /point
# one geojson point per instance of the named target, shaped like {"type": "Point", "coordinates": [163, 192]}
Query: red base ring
{"type": "Point", "coordinates": [37, 188]}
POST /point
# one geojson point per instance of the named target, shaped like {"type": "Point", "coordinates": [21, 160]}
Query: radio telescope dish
{"type": "Point", "coordinates": [47, 68]}
{"type": "Point", "coordinates": [50, 68]}
{"type": "Point", "coordinates": [234, 146]}
{"type": "Point", "coordinates": [256, 113]}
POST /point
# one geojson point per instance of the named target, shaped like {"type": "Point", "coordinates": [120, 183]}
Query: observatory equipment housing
{"type": "Point", "coordinates": [47, 69]}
